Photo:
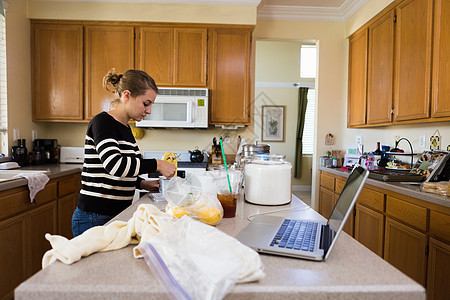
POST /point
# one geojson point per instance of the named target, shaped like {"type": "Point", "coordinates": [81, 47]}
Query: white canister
{"type": "Point", "coordinates": [268, 180]}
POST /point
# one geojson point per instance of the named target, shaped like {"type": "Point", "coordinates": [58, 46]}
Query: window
{"type": "Point", "coordinates": [308, 129]}
{"type": "Point", "coordinates": [308, 61]}
{"type": "Point", "coordinates": [3, 92]}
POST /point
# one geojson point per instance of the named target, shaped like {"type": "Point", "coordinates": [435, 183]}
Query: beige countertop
{"type": "Point", "coordinates": [53, 171]}
{"type": "Point", "coordinates": [406, 188]}
{"type": "Point", "coordinates": [351, 271]}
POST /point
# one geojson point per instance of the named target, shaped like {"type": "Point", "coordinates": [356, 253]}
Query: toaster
{"type": "Point", "coordinates": [71, 155]}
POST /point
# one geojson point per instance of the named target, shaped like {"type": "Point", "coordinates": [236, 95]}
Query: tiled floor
{"type": "Point", "coordinates": [305, 196]}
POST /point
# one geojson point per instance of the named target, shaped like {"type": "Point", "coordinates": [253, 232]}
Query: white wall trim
{"type": "Point", "coordinates": [301, 188]}
{"type": "Point", "coordinates": [311, 13]}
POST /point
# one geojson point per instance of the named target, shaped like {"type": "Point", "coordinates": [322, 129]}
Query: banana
{"type": "Point", "coordinates": [171, 158]}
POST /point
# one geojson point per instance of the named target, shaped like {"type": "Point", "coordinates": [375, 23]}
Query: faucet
{"type": "Point", "coordinates": [412, 152]}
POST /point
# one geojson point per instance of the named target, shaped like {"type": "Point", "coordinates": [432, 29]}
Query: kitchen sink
{"type": "Point", "coordinates": [6, 175]}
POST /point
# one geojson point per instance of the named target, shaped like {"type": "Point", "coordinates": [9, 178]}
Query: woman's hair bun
{"type": "Point", "coordinates": [111, 78]}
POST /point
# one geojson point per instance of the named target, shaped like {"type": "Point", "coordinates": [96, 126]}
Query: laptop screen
{"type": "Point", "coordinates": [344, 203]}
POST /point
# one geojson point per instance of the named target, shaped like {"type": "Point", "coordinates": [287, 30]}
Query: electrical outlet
{"type": "Point", "coordinates": [422, 141]}
{"type": "Point", "coordinates": [359, 139]}
{"type": "Point", "coordinates": [226, 140]}
{"type": "Point", "coordinates": [16, 134]}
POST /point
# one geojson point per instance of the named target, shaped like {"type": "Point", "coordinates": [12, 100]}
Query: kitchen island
{"type": "Point", "coordinates": [352, 271]}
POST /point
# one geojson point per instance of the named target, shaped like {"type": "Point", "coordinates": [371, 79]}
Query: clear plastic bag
{"type": "Point", "coordinates": [186, 198]}
{"type": "Point", "coordinates": [195, 261]}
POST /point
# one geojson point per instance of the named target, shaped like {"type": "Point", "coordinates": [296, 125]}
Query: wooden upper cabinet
{"type": "Point", "coordinates": [106, 47]}
{"type": "Point", "coordinates": [190, 54]}
{"type": "Point", "coordinates": [155, 48]}
{"type": "Point", "coordinates": [380, 70]}
{"type": "Point", "coordinates": [57, 72]}
{"type": "Point", "coordinates": [173, 56]}
{"type": "Point", "coordinates": [357, 92]}
{"type": "Point", "coordinates": [413, 59]}
{"type": "Point", "coordinates": [441, 60]}
{"type": "Point", "coordinates": [230, 76]}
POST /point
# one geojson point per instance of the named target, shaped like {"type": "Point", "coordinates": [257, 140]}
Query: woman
{"type": "Point", "coordinates": [112, 160]}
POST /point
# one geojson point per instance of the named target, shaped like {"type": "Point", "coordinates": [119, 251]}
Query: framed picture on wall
{"type": "Point", "coordinates": [273, 123]}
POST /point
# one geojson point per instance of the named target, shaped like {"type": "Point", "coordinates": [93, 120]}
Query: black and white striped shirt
{"type": "Point", "coordinates": [112, 162]}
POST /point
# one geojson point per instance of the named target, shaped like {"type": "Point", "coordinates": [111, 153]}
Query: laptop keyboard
{"type": "Point", "coordinates": [295, 234]}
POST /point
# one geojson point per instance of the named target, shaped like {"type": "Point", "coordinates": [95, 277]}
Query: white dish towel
{"type": "Point", "coordinates": [36, 182]}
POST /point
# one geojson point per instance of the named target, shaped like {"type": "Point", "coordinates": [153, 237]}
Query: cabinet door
{"type": "Point", "coordinates": [357, 91]}
{"type": "Point", "coordinates": [441, 59]}
{"type": "Point", "coordinates": [65, 212]}
{"type": "Point", "coordinates": [369, 229]}
{"type": "Point", "coordinates": [230, 76]}
{"type": "Point", "coordinates": [413, 59]}
{"type": "Point", "coordinates": [41, 220]}
{"type": "Point", "coordinates": [326, 202]}
{"type": "Point", "coordinates": [155, 47]}
{"type": "Point", "coordinates": [405, 249]}
{"type": "Point", "coordinates": [107, 47]}
{"type": "Point", "coordinates": [438, 283]}
{"type": "Point", "coordinates": [380, 70]}
{"type": "Point", "coordinates": [12, 255]}
{"type": "Point", "coordinates": [57, 72]}
{"type": "Point", "coordinates": [190, 54]}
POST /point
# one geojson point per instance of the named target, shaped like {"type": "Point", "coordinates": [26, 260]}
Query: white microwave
{"type": "Point", "coordinates": [178, 107]}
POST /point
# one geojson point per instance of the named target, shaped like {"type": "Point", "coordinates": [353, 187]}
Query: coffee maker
{"type": "Point", "coordinates": [45, 151]}
{"type": "Point", "coordinates": [20, 153]}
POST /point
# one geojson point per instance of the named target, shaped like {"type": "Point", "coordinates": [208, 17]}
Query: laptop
{"type": "Point", "coordinates": [307, 239]}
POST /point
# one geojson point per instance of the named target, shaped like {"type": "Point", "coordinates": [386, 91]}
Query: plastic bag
{"type": "Point", "coordinates": [186, 198]}
{"type": "Point", "coordinates": [195, 261]}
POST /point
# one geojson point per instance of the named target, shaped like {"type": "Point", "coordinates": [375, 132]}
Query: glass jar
{"type": "Point", "coordinates": [268, 179]}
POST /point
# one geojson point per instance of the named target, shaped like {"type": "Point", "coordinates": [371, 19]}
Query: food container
{"type": "Point", "coordinates": [248, 150]}
{"type": "Point", "coordinates": [268, 180]}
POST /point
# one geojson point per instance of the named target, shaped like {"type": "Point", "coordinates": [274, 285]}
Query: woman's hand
{"type": "Point", "coordinates": [150, 185]}
{"type": "Point", "coordinates": [166, 168]}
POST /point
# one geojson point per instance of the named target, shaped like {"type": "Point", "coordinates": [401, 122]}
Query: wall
{"type": "Point", "coordinates": [152, 12]}
{"type": "Point", "coordinates": [19, 75]}
{"type": "Point", "coordinates": [281, 68]}
{"type": "Point", "coordinates": [331, 72]}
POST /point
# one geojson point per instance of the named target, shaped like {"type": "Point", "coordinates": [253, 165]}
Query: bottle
{"type": "Point", "coordinates": [378, 151]}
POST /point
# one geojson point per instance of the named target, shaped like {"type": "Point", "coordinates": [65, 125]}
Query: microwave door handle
{"type": "Point", "coordinates": [192, 111]}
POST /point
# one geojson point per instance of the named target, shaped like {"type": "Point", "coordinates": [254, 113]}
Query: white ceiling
{"type": "Point", "coordinates": [300, 10]}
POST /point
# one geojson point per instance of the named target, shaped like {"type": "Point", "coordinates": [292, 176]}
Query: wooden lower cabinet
{"type": "Point", "coordinates": [40, 221]}
{"type": "Point", "coordinates": [326, 202]}
{"type": "Point", "coordinates": [405, 249]}
{"type": "Point", "coordinates": [411, 234]}
{"type": "Point", "coordinates": [369, 228]}
{"type": "Point", "coordinates": [13, 254]}
{"type": "Point", "coordinates": [438, 282]}
{"type": "Point", "coordinates": [23, 226]}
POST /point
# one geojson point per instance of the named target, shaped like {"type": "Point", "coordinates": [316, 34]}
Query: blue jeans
{"type": "Point", "coordinates": [82, 221]}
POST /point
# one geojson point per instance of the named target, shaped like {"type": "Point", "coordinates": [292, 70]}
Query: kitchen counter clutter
{"type": "Point", "coordinates": [411, 189]}
{"type": "Point", "coordinates": [352, 271]}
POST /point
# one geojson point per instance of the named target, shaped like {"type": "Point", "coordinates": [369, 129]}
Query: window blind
{"type": "Point", "coordinates": [308, 129]}
{"type": "Point", "coordinates": [3, 91]}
